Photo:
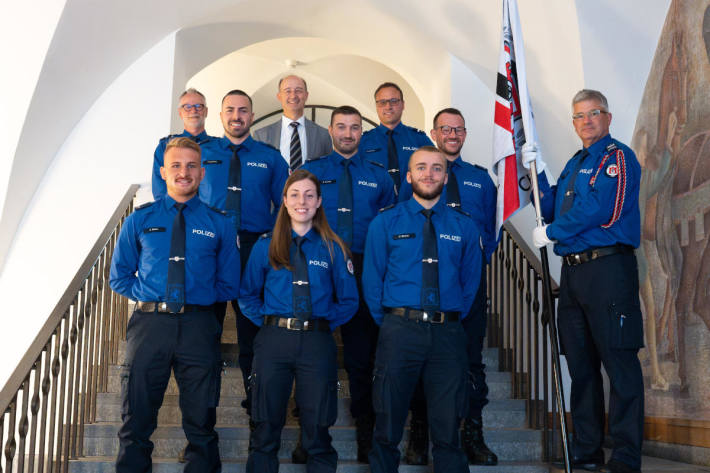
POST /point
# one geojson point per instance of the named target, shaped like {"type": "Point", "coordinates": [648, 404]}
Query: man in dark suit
{"type": "Point", "coordinates": [294, 135]}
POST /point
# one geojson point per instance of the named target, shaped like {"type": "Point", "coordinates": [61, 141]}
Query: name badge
{"type": "Point", "coordinates": [372, 150]}
{"type": "Point", "coordinates": [402, 236]}
{"type": "Point", "coordinates": [153, 229]}
{"type": "Point", "coordinates": [328, 181]}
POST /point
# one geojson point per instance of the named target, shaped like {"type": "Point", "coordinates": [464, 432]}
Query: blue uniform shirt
{"type": "Point", "coordinates": [158, 183]}
{"type": "Point", "coordinates": [392, 274]}
{"type": "Point", "coordinates": [372, 190]}
{"type": "Point", "coordinates": [211, 255]}
{"type": "Point", "coordinates": [264, 173]}
{"type": "Point", "coordinates": [605, 211]}
{"type": "Point", "coordinates": [373, 146]}
{"type": "Point", "coordinates": [478, 198]}
{"type": "Point", "coordinates": [334, 294]}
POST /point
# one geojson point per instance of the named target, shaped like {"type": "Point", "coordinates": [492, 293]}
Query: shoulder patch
{"type": "Point", "coordinates": [215, 209]}
{"type": "Point", "coordinates": [376, 163]}
{"type": "Point", "coordinates": [145, 206]}
{"type": "Point", "coordinates": [266, 235]}
{"type": "Point", "coordinates": [480, 167]}
{"type": "Point", "coordinates": [384, 209]}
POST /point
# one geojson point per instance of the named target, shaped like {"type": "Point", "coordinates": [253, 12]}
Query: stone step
{"type": "Point", "coordinates": [499, 383]}
{"type": "Point", "coordinates": [101, 440]}
{"type": "Point", "coordinates": [238, 465]}
{"type": "Point", "coordinates": [501, 413]}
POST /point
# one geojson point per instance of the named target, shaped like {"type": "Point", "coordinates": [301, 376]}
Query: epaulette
{"type": "Point", "coordinates": [416, 130]}
{"type": "Point", "coordinates": [205, 140]}
{"type": "Point", "coordinates": [170, 137]}
{"type": "Point", "coordinates": [266, 235]}
{"type": "Point", "coordinates": [309, 160]}
{"type": "Point", "coordinates": [373, 150]}
{"type": "Point", "coordinates": [391, 206]}
{"type": "Point", "coordinates": [480, 167]}
{"type": "Point", "coordinates": [461, 211]}
{"type": "Point", "coordinates": [611, 147]}
{"type": "Point", "coordinates": [577, 153]}
{"type": "Point", "coordinates": [144, 206]}
{"type": "Point", "coordinates": [215, 209]}
{"type": "Point", "coordinates": [376, 163]}
{"type": "Point", "coordinates": [268, 145]}
{"type": "Point", "coordinates": [369, 131]}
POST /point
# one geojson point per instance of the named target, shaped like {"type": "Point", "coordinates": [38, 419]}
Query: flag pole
{"type": "Point", "coordinates": [548, 318]}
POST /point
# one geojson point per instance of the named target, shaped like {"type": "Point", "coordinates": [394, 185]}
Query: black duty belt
{"type": "Point", "coordinates": [162, 307]}
{"type": "Point", "coordinates": [586, 256]}
{"type": "Point", "coordinates": [292, 323]}
{"type": "Point", "coordinates": [437, 317]}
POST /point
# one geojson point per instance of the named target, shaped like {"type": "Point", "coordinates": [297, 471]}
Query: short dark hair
{"type": "Point", "coordinates": [450, 111]}
{"type": "Point", "coordinates": [238, 92]}
{"type": "Point", "coordinates": [345, 110]}
{"type": "Point", "coordinates": [386, 85]}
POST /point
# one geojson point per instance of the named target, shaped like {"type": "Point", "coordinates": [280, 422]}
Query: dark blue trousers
{"type": "Point", "coordinates": [359, 344]}
{"type": "Point", "coordinates": [187, 344]}
{"type": "Point", "coordinates": [408, 350]}
{"type": "Point", "coordinates": [475, 325]}
{"type": "Point", "coordinates": [281, 356]}
{"type": "Point", "coordinates": [600, 322]}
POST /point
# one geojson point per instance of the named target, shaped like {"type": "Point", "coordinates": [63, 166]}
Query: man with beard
{"type": "Point", "coordinates": [471, 189]}
{"type": "Point", "coordinates": [297, 138]}
{"type": "Point", "coordinates": [245, 178]}
{"type": "Point", "coordinates": [193, 112]}
{"type": "Point", "coordinates": [419, 305]}
{"type": "Point", "coordinates": [392, 142]}
{"type": "Point", "coordinates": [353, 190]}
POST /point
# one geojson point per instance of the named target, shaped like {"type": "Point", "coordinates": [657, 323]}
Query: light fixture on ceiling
{"type": "Point", "coordinates": [292, 63]}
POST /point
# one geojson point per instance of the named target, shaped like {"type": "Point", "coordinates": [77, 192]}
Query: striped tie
{"type": "Point", "coordinates": [295, 148]}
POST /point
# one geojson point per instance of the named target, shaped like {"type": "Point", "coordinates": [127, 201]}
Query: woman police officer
{"type": "Point", "coordinates": [298, 286]}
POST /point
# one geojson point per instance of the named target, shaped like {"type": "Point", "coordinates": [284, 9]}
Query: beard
{"type": "Point", "coordinates": [427, 195]}
{"type": "Point", "coordinates": [238, 134]}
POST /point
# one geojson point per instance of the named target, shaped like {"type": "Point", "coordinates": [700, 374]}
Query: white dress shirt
{"type": "Point", "coordinates": [286, 132]}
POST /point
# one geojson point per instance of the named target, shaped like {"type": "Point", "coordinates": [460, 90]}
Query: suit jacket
{"type": "Point", "coordinates": [318, 140]}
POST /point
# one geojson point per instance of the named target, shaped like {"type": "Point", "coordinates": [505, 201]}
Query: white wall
{"type": "Point", "coordinates": [112, 145]}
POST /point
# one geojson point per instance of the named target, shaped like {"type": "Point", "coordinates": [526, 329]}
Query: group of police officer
{"type": "Point", "coordinates": [419, 225]}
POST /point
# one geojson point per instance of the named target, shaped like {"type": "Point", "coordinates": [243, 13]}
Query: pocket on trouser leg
{"type": "Point", "coordinates": [626, 326]}
{"type": "Point", "coordinates": [215, 386]}
{"type": "Point", "coordinates": [328, 411]}
{"type": "Point", "coordinates": [126, 397]}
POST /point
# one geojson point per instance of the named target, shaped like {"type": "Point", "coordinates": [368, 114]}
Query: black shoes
{"type": "Point", "coordinates": [364, 425]}
{"type": "Point", "coordinates": [589, 464]}
{"type": "Point", "coordinates": [418, 446]}
{"type": "Point", "coordinates": [474, 446]}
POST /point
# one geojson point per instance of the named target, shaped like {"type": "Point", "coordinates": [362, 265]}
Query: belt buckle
{"type": "Point", "coordinates": [577, 259]}
{"type": "Point", "coordinates": [440, 320]}
{"type": "Point", "coordinates": [289, 323]}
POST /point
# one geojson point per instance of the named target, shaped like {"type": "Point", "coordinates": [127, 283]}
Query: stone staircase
{"type": "Point", "coordinates": [519, 449]}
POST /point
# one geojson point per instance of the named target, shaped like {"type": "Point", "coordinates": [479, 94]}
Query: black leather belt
{"type": "Point", "coordinates": [291, 323]}
{"type": "Point", "coordinates": [437, 317]}
{"type": "Point", "coordinates": [586, 256]}
{"type": "Point", "coordinates": [162, 307]}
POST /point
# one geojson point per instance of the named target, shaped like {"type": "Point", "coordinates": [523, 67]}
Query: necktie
{"type": "Point", "coordinates": [301, 288]}
{"type": "Point", "coordinates": [233, 203]}
{"type": "Point", "coordinates": [295, 161]}
{"type": "Point", "coordinates": [453, 197]}
{"type": "Point", "coordinates": [568, 198]}
{"type": "Point", "coordinates": [393, 161]}
{"type": "Point", "coordinates": [175, 290]}
{"type": "Point", "coordinates": [345, 204]}
{"type": "Point", "coordinates": [430, 265]}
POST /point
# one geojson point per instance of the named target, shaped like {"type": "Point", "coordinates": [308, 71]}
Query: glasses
{"type": "Point", "coordinates": [198, 107]}
{"type": "Point", "coordinates": [590, 114]}
{"type": "Point", "coordinates": [446, 129]}
{"type": "Point", "coordinates": [384, 102]}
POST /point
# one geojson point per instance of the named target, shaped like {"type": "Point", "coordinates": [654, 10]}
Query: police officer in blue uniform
{"type": "Point", "coordinates": [244, 178]}
{"type": "Point", "coordinates": [420, 277]}
{"type": "Point", "coordinates": [470, 188]}
{"type": "Point", "coordinates": [193, 112]}
{"type": "Point", "coordinates": [298, 286]}
{"type": "Point", "coordinates": [392, 142]}
{"type": "Point", "coordinates": [175, 257]}
{"type": "Point", "coordinates": [592, 217]}
{"type": "Point", "coordinates": [354, 190]}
